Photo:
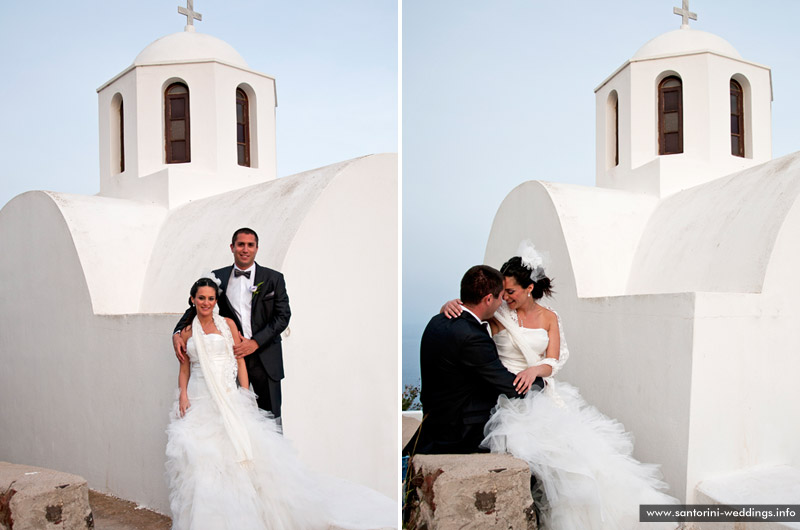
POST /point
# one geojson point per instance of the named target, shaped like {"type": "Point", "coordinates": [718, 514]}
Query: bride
{"type": "Point", "coordinates": [228, 466]}
{"type": "Point", "coordinates": [586, 476]}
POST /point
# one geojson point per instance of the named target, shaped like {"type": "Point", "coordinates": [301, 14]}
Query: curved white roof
{"type": "Point", "coordinates": [719, 236]}
{"type": "Point", "coordinates": [188, 46]}
{"type": "Point", "coordinates": [681, 41]}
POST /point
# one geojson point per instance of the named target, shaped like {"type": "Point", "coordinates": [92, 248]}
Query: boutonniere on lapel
{"type": "Point", "coordinates": [255, 289]}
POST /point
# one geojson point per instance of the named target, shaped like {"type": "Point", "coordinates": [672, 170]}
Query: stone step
{"type": "Point", "coordinates": [765, 485]}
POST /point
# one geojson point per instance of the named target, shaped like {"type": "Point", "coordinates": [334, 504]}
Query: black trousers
{"type": "Point", "coordinates": [268, 390]}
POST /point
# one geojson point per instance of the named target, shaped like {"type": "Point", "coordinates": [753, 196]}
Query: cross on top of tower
{"type": "Point", "coordinates": [685, 14]}
{"type": "Point", "coordinates": [191, 15]}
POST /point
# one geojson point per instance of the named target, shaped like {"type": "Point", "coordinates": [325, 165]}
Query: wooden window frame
{"type": "Point", "coordinates": [738, 115]}
{"type": "Point", "coordinates": [662, 91]}
{"type": "Point", "coordinates": [121, 135]}
{"type": "Point", "coordinates": [244, 101]}
{"type": "Point", "coordinates": [616, 131]}
{"type": "Point", "coordinates": [168, 98]}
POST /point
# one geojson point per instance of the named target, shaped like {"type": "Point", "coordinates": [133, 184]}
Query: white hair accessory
{"type": "Point", "coordinates": [211, 276]}
{"type": "Point", "coordinates": [531, 259]}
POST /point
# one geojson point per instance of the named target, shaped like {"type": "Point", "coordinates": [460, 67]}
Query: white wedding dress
{"type": "Point", "coordinates": [586, 476]}
{"type": "Point", "coordinates": [228, 468]}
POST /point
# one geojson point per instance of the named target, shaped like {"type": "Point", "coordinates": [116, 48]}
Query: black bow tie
{"type": "Point", "coordinates": [237, 273]}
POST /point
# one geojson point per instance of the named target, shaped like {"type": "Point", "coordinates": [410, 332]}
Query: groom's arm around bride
{"type": "Point", "coordinates": [462, 376]}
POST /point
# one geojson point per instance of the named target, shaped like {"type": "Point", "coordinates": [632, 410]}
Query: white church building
{"type": "Point", "coordinates": [677, 275]}
{"type": "Point", "coordinates": [94, 284]}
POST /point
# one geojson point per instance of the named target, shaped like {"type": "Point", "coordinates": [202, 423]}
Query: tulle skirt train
{"type": "Point", "coordinates": [586, 476]}
{"type": "Point", "coordinates": [209, 490]}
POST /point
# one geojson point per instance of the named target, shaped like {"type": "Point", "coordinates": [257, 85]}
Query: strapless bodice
{"type": "Point", "coordinates": [221, 356]}
{"type": "Point", "coordinates": [511, 356]}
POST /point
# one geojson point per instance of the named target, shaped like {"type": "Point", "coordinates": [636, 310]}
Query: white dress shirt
{"type": "Point", "coordinates": [240, 297]}
{"type": "Point", "coordinates": [484, 323]}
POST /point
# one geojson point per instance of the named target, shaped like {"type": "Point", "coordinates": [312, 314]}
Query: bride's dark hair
{"type": "Point", "coordinates": [202, 282]}
{"type": "Point", "coordinates": [514, 268]}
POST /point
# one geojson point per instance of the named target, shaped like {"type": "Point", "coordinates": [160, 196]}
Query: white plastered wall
{"type": "Point", "coordinates": [83, 393]}
{"type": "Point", "coordinates": [113, 239]}
{"type": "Point", "coordinates": [745, 392]}
{"type": "Point", "coordinates": [90, 394]}
{"type": "Point", "coordinates": [341, 357]}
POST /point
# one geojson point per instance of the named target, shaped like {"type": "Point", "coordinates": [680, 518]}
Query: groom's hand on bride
{"type": "Point", "coordinates": [524, 379]}
{"type": "Point", "coordinates": [451, 309]}
{"type": "Point", "coordinates": [245, 348]}
{"type": "Point", "coordinates": [179, 345]}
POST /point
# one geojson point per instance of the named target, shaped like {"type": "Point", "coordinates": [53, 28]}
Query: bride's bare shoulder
{"type": "Point", "coordinates": [231, 324]}
{"type": "Point", "coordinates": [550, 316]}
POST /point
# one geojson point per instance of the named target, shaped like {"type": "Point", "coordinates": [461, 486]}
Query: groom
{"type": "Point", "coordinates": [255, 298]}
{"type": "Point", "coordinates": [462, 376]}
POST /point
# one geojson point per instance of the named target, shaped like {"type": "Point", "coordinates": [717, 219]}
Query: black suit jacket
{"type": "Point", "coordinates": [269, 315]}
{"type": "Point", "coordinates": [462, 376]}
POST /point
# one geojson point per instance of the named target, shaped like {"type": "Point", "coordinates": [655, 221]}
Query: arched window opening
{"type": "Point", "coordinates": [612, 130]}
{"type": "Point", "coordinates": [616, 131]}
{"type": "Point", "coordinates": [737, 119]}
{"type": "Point", "coordinates": [121, 136]}
{"type": "Point", "coordinates": [116, 131]}
{"type": "Point", "coordinates": [670, 116]}
{"type": "Point", "coordinates": [242, 128]}
{"type": "Point", "coordinates": [176, 108]}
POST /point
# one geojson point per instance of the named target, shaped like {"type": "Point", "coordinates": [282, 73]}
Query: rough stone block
{"type": "Point", "coordinates": [34, 498]}
{"type": "Point", "coordinates": [480, 491]}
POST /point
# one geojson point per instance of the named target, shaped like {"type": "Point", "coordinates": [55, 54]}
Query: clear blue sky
{"type": "Point", "coordinates": [498, 93]}
{"type": "Point", "coordinates": [335, 65]}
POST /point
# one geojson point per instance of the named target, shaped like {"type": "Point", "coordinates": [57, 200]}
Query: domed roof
{"type": "Point", "coordinates": [188, 46]}
{"type": "Point", "coordinates": [685, 40]}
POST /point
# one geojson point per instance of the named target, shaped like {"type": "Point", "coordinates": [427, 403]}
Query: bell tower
{"type": "Point", "coordinates": [684, 110]}
{"type": "Point", "coordinates": [188, 119]}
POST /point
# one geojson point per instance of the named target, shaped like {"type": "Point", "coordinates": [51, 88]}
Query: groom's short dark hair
{"type": "Point", "coordinates": [479, 281]}
{"type": "Point", "coordinates": [244, 231]}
